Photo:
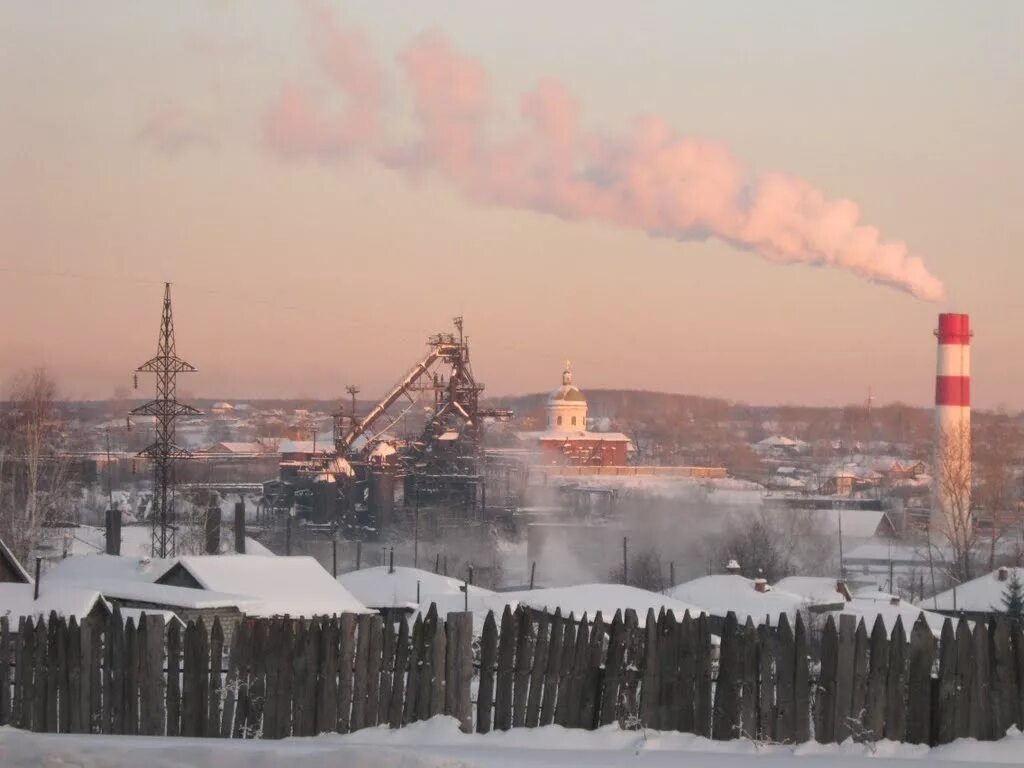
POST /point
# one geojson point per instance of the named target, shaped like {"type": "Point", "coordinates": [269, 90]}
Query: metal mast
{"type": "Point", "coordinates": [165, 409]}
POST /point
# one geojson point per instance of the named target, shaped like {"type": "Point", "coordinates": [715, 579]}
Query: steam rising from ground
{"type": "Point", "coordinates": [652, 178]}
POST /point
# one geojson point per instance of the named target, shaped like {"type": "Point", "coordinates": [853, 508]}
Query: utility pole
{"type": "Point", "coordinates": [165, 409]}
{"type": "Point", "coordinates": [625, 559]}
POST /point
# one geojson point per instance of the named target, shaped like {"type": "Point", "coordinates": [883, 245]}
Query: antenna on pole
{"type": "Point", "coordinates": [165, 409]}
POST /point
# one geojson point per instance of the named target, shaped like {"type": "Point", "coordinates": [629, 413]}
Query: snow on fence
{"type": "Point", "coordinates": [284, 677]}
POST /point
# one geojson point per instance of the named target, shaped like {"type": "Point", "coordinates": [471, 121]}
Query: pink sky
{"type": "Point", "coordinates": [691, 201]}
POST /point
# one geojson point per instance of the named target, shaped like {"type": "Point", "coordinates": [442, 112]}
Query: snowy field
{"type": "Point", "coordinates": [438, 744]}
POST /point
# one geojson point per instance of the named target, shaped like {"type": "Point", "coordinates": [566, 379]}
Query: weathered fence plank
{"type": "Point", "coordinates": [190, 682]}
{"type": "Point", "coordinates": [748, 680]}
{"type": "Point", "coordinates": [41, 676]}
{"type": "Point", "coordinates": [300, 680]}
{"type": "Point", "coordinates": [552, 669]}
{"type": "Point", "coordinates": [463, 703]}
{"type": "Point", "coordinates": [1003, 678]}
{"type": "Point", "coordinates": [945, 715]}
{"type": "Point", "coordinates": [438, 677]}
{"type": "Point", "coordinates": [346, 656]}
{"type": "Point", "coordinates": [896, 684]}
{"type": "Point", "coordinates": [387, 671]}
{"type": "Point", "coordinates": [252, 693]}
{"type": "Point", "coordinates": [284, 700]}
{"type": "Point", "coordinates": [612, 684]}
{"type": "Point", "coordinates": [5, 671]}
{"type": "Point", "coordinates": [412, 685]}
{"type": "Point", "coordinates": [327, 679]}
{"type": "Point", "coordinates": [173, 680]}
{"type": "Point", "coordinates": [726, 718]}
{"type": "Point", "coordinates": [424, 685]}
{"type": "Point", "coordinates": [801, 683]}
{"type": "Point", "coordinates": [234, 682]}
{"type": "Point", "coordinates": [506, 671]}
{"type": "Point", "coordinates": [540, 661]}
{"type": "Point", "coordinates": [1017, 641]}
{"type": "Point", "coordinates": [980, 717]}
{"type": "Point", "coordinates": [878, 670]}
{"type": "Point", "coordinates": [130, 660]}
{"type": "Point", "coordinates": [565, 669]}
{"type": "Point", "coordinates": [919, 676]}
{"type": "Point", "coordinates": [649, 672]}
{"type": "Point", "coordinates": [76, 713]}
{"type": "Point", "coordinates": [673, 641]}
{"type": "Point", "coordinates": [686, 662]}
{"type": "Point", "coordinates": [592, 674]}
{"type": "Point", "coordinates": [825, 699]}
{"type": "Point", "coordinates": [20, 713]}
{"type": "Point", "coordinates": [52, 671]}
{"type": "Point", "coordinates": [92, 650]}
{"type": "Point", "coordinates": [523, 667]}
{"type": "Point", "coordinates": [702, 675]}
{"type": "Point", "coordinates": [395, 706]}
{"type": "Point", "coordinates": [785, 694]}
{"type": "Point", "coordinates": [844, 676]}
{"type": "Point", "coordinates": [214, 686]}
{"type": "Point", "coordinates": [581, 656]}
{"type": "Point", "coordinates": [488, 659]}
{"type": "Point", "coordinates": [63, 680]}
{"type": "Point", "coordinates": [628, 699]}
{"type": "Point", "coordinates": [964, 680]}
{"type": "Point", "coordinates": [859, 692]}
{"type": "Point", "coordinates": [767, 682]}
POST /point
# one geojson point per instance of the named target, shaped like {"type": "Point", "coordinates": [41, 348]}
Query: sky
{"type": "Point", "coordinates": [762, 202]}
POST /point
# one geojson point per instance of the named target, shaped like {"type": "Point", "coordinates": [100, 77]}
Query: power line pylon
{"type": "Point", "coordinates": [165, 409]}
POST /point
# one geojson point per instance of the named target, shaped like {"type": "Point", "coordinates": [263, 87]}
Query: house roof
{"type": "Point", "coordinates": [379, 587]}
{"type": "Point", "coordinates": [722, 593]}
{"type": "Point", "coordinates": [815, 590]}
{"type": "Point", "coordinates": [981, 595]}
{"type": "Point", "coordinates": [606, 598]}
{"type": "Point", "coordinates": [869, 607]}
{"type": "Point", "coordinates": [17, 601]}
{"type": "Point", "coordinates": [296, 586]}
{"type": "Point", "coordinates": [14, 564]}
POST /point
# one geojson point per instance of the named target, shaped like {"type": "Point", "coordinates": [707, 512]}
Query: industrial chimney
{"type": "Point", "coordinates": [951, 497]}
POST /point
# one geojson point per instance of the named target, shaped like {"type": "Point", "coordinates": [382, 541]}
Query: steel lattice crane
{"type": "Point", "coordinates": [165, 409]}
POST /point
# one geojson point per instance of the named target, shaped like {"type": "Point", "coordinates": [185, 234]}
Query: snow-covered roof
{"type": "Point", "coordinates": [780, 441]}
{"type": "Point", "coordinates": [88, 569]}
{"type": "Point", "coordinates": [297, 586]}
{"type": "Point", "coordinates": [856, 523]}
{"type": "Point", "coordinates": [381, 450]}
{"type": "Point", "coordinates": [815, 590]}
{"type": "Point", "coordinates": [17, 601]}
{"type": "Point", "coordinates": [306, 446]}
{"type": "Point", "coordinates": [722, 593]}
{"type": "Point", "coordinates": [982, 595]}
{"type": "Point", "coordinates": [378, 587]}
{"type": "Point", "coordinates": [606, 598]}
{"type": "Point", "coordinates": [868, 608]}
{"type": "Point", "coordinates": [13, 563]}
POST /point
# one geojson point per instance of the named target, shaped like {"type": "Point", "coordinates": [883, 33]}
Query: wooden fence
{"type": "Point", "coordinates": [283, 677]}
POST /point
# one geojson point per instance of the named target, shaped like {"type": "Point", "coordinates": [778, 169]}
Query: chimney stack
{"type": "Point", "coordinates": [732, 567]}
{"type": "Point", "coordinates": [113, 532]}
{"type": "Point", "coordinates": [240, 527]}
{"type": "Point", "coordinates": [951, 471]}
{"type": "Point", "coordinates": [760, 585]}
{"type": "Point", "coordinates": [213, 530]}
{"type": "Point", "coordinates": [1003, 574]}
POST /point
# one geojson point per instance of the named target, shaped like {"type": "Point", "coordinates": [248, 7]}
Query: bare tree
{"type": "Point", "coordinates": [952, 514]}
{"type": "Point", "coordinates": [33, 470]}
{"type": "Point", "coordinates": [996, 489]}
{"type": "Point", "coordinates": [645, 571]}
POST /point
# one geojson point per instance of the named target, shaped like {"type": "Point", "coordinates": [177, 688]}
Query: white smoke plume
{"type": "Point", "coordinates": [652, 178]}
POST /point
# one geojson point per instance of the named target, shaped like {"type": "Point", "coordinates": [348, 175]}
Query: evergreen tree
{"type": "Point", "coordinates": [1013, 597]}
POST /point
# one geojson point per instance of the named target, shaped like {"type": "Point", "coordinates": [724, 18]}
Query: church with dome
{"type": "Point", "coordinates": [567, 440]}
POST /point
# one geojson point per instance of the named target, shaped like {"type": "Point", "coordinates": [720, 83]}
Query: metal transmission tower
{"type": "Point", "coordinates": [165, 409]}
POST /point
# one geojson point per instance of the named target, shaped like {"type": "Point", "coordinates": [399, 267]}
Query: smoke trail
{"type": "Point", "coordinates": [651, 179]}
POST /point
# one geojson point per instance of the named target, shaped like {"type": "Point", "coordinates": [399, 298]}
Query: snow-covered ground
{"type": "Point", "coordinates": [438, 744]}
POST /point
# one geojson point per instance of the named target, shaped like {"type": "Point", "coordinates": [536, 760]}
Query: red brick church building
{"type": "Point", "coordinates": [567, 441]}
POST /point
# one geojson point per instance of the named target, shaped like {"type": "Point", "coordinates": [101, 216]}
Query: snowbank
{"type": "Point", "coordinates": [438, 744]}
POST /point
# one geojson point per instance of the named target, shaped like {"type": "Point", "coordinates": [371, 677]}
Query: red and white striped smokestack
{"type": "Point", "coordinates": [952, 470]}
